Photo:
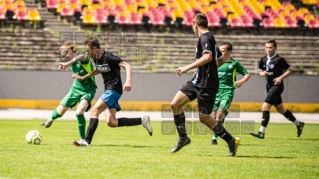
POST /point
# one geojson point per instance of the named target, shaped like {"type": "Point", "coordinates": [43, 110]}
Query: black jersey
{"type": "Point", "coordinates": [110, 70]}
{"type": "Point", "coordinates": [275, 66]}
{"type": "Point", "coordinates": [207, 76]}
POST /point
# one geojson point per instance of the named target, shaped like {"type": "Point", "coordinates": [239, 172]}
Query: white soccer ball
{"type": "Point", "coordinates": [34, 137]}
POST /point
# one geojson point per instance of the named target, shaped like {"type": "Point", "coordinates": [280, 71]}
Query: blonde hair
{"type": "Point", "coordinates": [66, 45]}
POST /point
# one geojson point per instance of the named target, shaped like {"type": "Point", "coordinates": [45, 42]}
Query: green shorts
{"type": "Point", "coordinates": [224, 97]}
{"type": "Point", "coordinates": [75, 96]}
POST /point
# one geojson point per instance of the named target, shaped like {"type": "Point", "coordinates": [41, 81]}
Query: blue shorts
{"type": "Point", "coordinates": [111, 98]}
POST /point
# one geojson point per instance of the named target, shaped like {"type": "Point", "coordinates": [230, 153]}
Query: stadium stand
{"type": "Point", "coordinates": [245, 23]}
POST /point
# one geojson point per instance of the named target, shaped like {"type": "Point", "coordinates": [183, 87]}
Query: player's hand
{"type": "Point", "coordinates": [63, 66]}
{"type": "Point", "coordinates": [194, 74]}
{"type": "Point", "coordinates": [127, 86]}
{"type": "Point", "coordinates": [277, 81]}
{"type": "Point", "coordinates": [76, 76]}
{"type": "Point", "coordinates": [181, 70]}
{"type": "Point", "coordinates": [263, 73]}
{"type": "Point", "coordinates": [238, 83]}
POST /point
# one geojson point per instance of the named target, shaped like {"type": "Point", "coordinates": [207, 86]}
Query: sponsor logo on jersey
{"type": "Point", "coordinates": [103, 68]}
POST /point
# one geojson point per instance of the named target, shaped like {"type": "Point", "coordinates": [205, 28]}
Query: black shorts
{"type": "Point", "coordinates": [205, 96]}
{"type": "Point", "coordinates": [274, 94]}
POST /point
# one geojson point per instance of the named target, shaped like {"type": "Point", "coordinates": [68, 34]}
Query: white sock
{"type": "Point", "coordinates": [262, 129]}
{"type": "Point", "coordinates": [214, 138]}
{"type": "Point", "coordinates": [296, 122]}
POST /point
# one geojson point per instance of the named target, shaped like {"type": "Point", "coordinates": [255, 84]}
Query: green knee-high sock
{"type": "Point", "coordinates": [81, 125]}
{"type": "Point", "coordinates": [55, 115]}
{"type": "Point", "coordinates": [221, 123]}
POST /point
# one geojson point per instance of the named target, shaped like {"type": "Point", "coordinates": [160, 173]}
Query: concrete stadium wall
{"type": "Point", "coordinates": [146, 87]}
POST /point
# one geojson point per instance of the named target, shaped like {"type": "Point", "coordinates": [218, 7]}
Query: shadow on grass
{"type": "Point", "coordinates": [301, 139]}
{"type": "Point", "coordinates": [125, 145]}
{"type": "Point", "coordinates": [261, 156]}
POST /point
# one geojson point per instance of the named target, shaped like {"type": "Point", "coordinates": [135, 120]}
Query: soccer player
{"type": "Point", "coordinates": [203, 86]}
{"type": "Point", "coordinates": [274, 68]}
{"type": "Point", "coordinates": [227, 84]}
{"type": "Point", "coordinates": [109, 65]}
{"type": "Point", "coordinates": [81, 92]}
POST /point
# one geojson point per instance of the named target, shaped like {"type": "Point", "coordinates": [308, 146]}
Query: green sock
{"type": "Point", "coordinates": [81, 125]}
{"type": "Point", "coordinates": [55, 115]}
{"type": "Point", "coordinates": [221, 123]}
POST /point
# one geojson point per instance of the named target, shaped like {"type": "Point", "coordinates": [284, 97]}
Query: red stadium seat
{"type": "Point", "coordinates": [313, 24]}
{"type": "Point", "coordinates": [135, 19]}
{"type": "Point", "coordinates": [235, 22]}
{"type": "Point", "coordinates": [101, 19]}
{"type": "Point", "coordinates": [291, 23]}
{"type": "Point", "coordinates": [66, 12]}
{"type": "Point", "coordinates": [213, 21]}
{"type": "Point", "coordinates": [158, 20]}
{"type": "Point", "coordinates": [2, 14]}
{"type": "Point", "coordinates": [22, 15]}
{"type": "Point", "coordinates": [52, 4]}
{"type": "Point", "coordinates": [268, 23]}
{"type": "Point", "coordinates": [123, 20]}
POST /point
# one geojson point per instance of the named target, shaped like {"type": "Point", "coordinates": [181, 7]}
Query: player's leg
{"type": "Point", "coordinates": [69, 101]}
{"type": "Point", "coordinates": [223, 100]}
{"type": "Point", "coordinates": [182, 97]}
{"type": "Point", "coordinates": [288, 114]}
{"type": "Point", "coordinates": [83, 105]}
{"type": "Point", "coordinates": [273, 94]}
{"type": "Point", "coordinates": [205, 106]}
{"type": "Point", "coordinates": [220, 117]}
{"type": "Point", "coordinates": [112, 121]}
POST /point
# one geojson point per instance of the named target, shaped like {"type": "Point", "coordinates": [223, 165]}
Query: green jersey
{"type": "Point", "coordinates": [227, 74]}
{"type": "Point", "coordinates": [82, 68]}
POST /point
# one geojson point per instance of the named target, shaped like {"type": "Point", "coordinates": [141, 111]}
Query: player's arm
{"type": "Point", "coordinates": [261, 70]}
{"type": "Point", "coordinates": [127, 85]}
{"type": "Point", "coordinates": [92, 73]}
{"type": "Point", "coordinates": [75, 59]}
{"type": "Point", "coordinates": [206, 58]}
{"type": "Point", "coordinates": [241, 70]}
{"type": "Point", "coordinates": [285, 66]}
{"type": "Point", "coordinates": [220, 58]}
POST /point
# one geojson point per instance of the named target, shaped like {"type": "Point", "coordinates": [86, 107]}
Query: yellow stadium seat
{"type": "Point", "coordinates": [206, 9]}
{"type": "Point", "coordinates": [20, 3]}
{"type": "Point", "coordinates": [86, 2]}
{"type": "Point", "coordinates": [161, 1]}
{"type": "Point", "coordinates": [22, 9]}
{"type": "Point", "coordinates": [309, 17]}
{"type": "Point", "coordinates": [131, 8]}
{"type": "Point", "coordinates": [303, 10]}
{"type": "Point", "coordinates": [89, 19]}
{"type": "Point", "coordinates": [279, 23]}
{"type": "Point", "coordinates": [203, 2]}
{"type": "Point", "coordinates": [33, 14]}
{"type": "Point", "coordinates": [60, 7]}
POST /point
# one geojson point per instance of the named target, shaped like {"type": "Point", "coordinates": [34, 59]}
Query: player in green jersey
{"type": "Point", "coordinates": [81, 92]}
{"type": "Point", "coordinates": [227, 83]}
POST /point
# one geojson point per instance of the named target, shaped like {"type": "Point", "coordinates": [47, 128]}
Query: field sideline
{"type": "Point", "coordinates": [129, 152]}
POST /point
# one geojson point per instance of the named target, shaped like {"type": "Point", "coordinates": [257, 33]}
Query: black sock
{"type": "Point", "coordinates": [91, 129]}
{"type": "Point", "coordinates": [265, 120]}
{"type": "Point", "coordinates": [123, 121]}
{"type": "Point", "coordinates": [289, 116]}
{"type": "Point", "coordinates": [179, 120]}
{"type": "Point", "coordinates": [222, 133]}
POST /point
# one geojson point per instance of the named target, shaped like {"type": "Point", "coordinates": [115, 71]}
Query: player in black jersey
{"type": "Point", "coordinates": [203, 86]}
{"type": "Point", "coordinates": [274, 68]}
{"type": "Point", "coordinates": [109, 65]}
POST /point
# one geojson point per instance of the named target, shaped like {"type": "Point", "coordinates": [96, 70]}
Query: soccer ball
{"type": "Point", "coordinates": [34, 137]}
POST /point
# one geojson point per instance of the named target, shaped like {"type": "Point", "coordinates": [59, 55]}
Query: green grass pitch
{"type": "Point", "coordinates": [129, 152]}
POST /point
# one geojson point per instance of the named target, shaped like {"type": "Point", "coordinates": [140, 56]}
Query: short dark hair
{"type": "Point", "coordinates": [200, 19]}
{"type": "Point", "coordinates": [92, 42]}
{"type": "Point", "coordinates": [229, 46]}
{"type": "Point", "coordinates": [273, 42]}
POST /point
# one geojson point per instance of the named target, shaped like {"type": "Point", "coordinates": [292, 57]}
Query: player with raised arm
{"type": "Point", "coordinates": [82, 91]}
{"type": "Point", "coordinates": [109, 65]}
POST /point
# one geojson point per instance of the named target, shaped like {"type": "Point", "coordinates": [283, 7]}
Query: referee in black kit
{"type": "Point", "coordinates": [274, 68]}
